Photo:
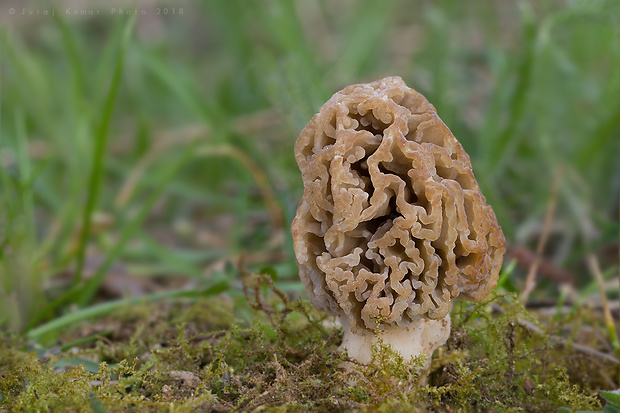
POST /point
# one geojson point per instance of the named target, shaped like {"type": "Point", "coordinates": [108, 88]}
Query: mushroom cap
{"type": "Point", "coordinates": [392, 225]}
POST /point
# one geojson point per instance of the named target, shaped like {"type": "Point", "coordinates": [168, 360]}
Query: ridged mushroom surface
{"type": "Point", "coordinates": [392, 225]}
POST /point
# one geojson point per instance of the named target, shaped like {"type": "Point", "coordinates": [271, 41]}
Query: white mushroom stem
{"type": "Point", "coordinates": [421, 337]}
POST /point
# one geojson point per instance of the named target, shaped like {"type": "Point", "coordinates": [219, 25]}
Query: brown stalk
{"type": "Point", "coordinates": [589, 232]}
{"type": "Point", "coordinates": [547, 268]}
{"type": "Point", "coordinates": [275, 212]}
{"type": "Point", "coordinates": [530, 281]}
{"type": "Point", "coordinates": [257, 173]}
{"type": "Point", "coordinates": [252, 292]}
{"type": "Point", "coordinates": [168, 139]}
{"type": "Point", "coordinates": [608, 358]}
{"type": "Point", "coordinates": [557, 340]}
{"type": "Point", "coordinates": [595, 269]}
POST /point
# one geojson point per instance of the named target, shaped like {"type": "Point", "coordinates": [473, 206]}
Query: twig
{"type": "Point", "coordinates": [525, 258]}
{"type": "Point", "coordinates": [530, 281]}
{"type": "Point", "coordinates": [190, 135]}
{"type": "Point", "coordinates": [252, 286]}
{"type": "Point", "coordinates": [551, 308]}
{"type": "Point", "coordinates": [528, 325]}
{"type": "Point", "coordinates": [259, 176]}
{"type": "Point", "coordinates": [609, 320]}
{"type": "Point", "coordinates": [280, 371]}
{"type": "Point", "coordinates": [138, 171]}
{"type": "Point", "coordinates": [245, 124]}
{"type": "Point", "coordinates": [177, 138]}
{"type": "Point", "coordinates": [589, 232]}
{"type": "Point", "coordinates": [246, 278]}
{"type": "Point", "coordinates": [225, 402]}
{"type": "Point", "coordinates": [564, 342]}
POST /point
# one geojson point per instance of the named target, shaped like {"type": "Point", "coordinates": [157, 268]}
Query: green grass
{"type": "Point", "coordinates": [159, 148]}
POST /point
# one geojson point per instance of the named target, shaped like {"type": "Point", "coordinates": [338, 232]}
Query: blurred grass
{"type": "Point", "coordinates": [524, 86]}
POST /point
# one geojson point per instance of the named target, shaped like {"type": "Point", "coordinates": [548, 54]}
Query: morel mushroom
{"type": "Point", "coordinates": [392, 225]}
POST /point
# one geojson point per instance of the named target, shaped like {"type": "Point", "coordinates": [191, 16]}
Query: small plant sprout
{"type": "Point", "coordinates": [392, 225]}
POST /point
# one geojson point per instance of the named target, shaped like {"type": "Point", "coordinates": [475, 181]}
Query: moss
{"type": "Point", "coordinates": [194, 356]}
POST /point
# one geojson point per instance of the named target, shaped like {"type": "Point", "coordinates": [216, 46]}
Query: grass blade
{"type": "Point", "coordinates": [102, 309]}
{"type": "Point", "coordinates": [500, 147]}
{"type": "Point", "coordinates": [90, 288]}
{"type": "Point", "coordinates": [101, 138]}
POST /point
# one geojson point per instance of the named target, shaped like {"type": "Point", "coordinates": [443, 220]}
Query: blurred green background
{"type": "Point", "coordinates": [147, 146]}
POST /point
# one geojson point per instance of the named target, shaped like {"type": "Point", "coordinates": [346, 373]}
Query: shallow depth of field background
{"type": "Point", "coordinates": [156, 156]}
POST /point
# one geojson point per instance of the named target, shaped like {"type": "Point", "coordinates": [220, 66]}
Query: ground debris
{"type": "Point", "coordinates": [185, 355]}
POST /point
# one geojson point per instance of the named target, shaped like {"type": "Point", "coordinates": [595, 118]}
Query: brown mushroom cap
{"type": "Point", "coordinates": [392, 225]}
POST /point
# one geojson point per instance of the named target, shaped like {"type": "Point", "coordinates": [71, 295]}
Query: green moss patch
{"type": "Point", "coordinates": [194, 356]}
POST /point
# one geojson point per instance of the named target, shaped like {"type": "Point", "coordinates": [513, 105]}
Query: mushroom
{"type": "Point", "coordinates": [392, 225]}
